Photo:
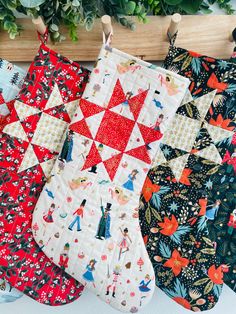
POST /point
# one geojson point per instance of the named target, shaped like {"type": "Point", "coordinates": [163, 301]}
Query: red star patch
{"type": "Point", "coordinates": [115, 130]}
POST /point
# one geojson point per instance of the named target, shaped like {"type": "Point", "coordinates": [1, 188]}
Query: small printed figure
{"type": "Point", "coordinates": [48, 217]}
{"type": "Point", "coordinates": [159, 120]}
{"type": "Point", "coordinates": [66, 152]}
{"type": "Point", "coordinates": [129, 185]}
{"type": "Point", "coordinates": [212, 213]}
{"type": "Point", "coordinates": [61, 166]}
{"type": "Point", "coordinates": [143, 287]}
{"type": "Point", "coordinates": [50, 194]}
{"type": "Point", "coordinates": [169, 83]}
{"type": "Point", "coordinates": [116, 274]}
{"type": "Point", "coordinates": [96, 88]}
{"type": "Point", "coordinates": [93, 169]}
{"type": "Point", "coordinates": [125, 104]}
{"type": "Point", "coordinates": [232, 222]}
{"type": "Point", "coordinates": [119, 196]}
{"type": "Point", "coordinates": [129, 65]}
{"type": "Point", "coordinates": [88, 275]}
{"type": "Point", "coordinates": [79, 213]}
{"type": "Point", "coordinates": [125, 242]}
{"type": "Point", "coordinates": [81, 182]}
{"type": "Point", "coordinates": [104, 223]}
{"type": "Point", "coordinates": [157, 103]}
{"type": "Point", "coordinates": [64, 257]}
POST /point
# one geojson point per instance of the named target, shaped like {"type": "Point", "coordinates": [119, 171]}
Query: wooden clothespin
{"type": "Point", "coordinates": [39, 25]}
{"type": "Point", "coordinates": [232, 36]}
{"type": "Point", "coordinates": [107, 28]}
{"type": "Point", "coordinates": [174, 23]}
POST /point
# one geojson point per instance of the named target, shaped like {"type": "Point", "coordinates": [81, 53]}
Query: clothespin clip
{"type": "Point", "coordinates": [39, 25]}
{"type": "Point", "coordinates": [173, 27]}
{"type": "Point", "coordinates": [107, 29]}
{"type": "Point", "coordinates": [232, 37]}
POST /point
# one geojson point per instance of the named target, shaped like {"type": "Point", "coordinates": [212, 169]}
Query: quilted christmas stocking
{"type": "Point", "coordinates": [87, 213]}
{"type": "Point", "coordinates": [174, 199]}
{"type": "Point", "coordinates": [11, 79]}
{"type": "Point", "coordinates": [29, 145]}
{"type": "Point", "coordinates": [221, 209]}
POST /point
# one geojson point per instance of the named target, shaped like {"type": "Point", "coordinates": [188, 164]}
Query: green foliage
{"type": "Point", "coordinates": [165, 7]}
{"type": "Point", "coordinates": [83, 12]}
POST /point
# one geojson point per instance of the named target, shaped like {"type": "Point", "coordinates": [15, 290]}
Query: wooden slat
{"type": "Point", "coordinates": [204, 34]}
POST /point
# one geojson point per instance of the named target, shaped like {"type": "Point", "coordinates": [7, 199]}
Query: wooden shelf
{"type": "Point", "coordinates": [204, 34]}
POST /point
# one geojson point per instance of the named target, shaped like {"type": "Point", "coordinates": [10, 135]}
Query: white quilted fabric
{"type": "Point", "coordinates": [86, 219]}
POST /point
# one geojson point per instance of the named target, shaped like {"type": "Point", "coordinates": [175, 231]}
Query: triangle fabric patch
{"type": "Point", "coordinates": [29, 160]}
{"type": "Point", "coordinates": [136, 103]}
{"type": "Point", "coordinates": [15, 129]}
{"type": "Point", "coordinates": [140, 153]}
{"type": "Point", "coordinates": [124, 110]}
{"type": "Point", "coordinates": [30, 124]}
{"type": "Point", "coordinates": [24, 110]}
{"type": "Point", "coordinates": [70, 107]}
{"type": "Point", "coordinates": [93, 158]}
{"type": "Point", "coordinates": [149, 135]}
{"type": "Point", "coordinates": [43, 154]}
{"type": "Point", "coordinates": [210, 153]}
{"type": "Point", "coordinates": [203, 139]}
{"type": "Point", "coordinates": [94, 122]}
{"type": "Point", "coordinates": [203, 103]}
{"type": "Point", "coordinates": [112, 165]}
{"type": "Point", "coordinates": [55, 98]}
{"type": "Point", "coordinates": [58, 112]}
{"type": "Point", "coordinates": [117, 97]}
{"type": "Point", "coordinates": [187, 97]}
{"type": "Point", "coordinates": [159, 158]}
{"type": "Point", "coordinates": [47, 166]}
{"type": "Point", "coordinates": [217, 134]}
{"type": "Point", "coordinates": [136, 139]}
{"type": "Point", "coordinates": [81, 128]}
{"type": "Point", "coordinates": [89, 109]}
{"type": "Point", "coordinates": [170, 152]}
{"type": "Point", "coordinates": [177, 165]}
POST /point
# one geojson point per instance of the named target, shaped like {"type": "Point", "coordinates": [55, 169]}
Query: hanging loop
{"type": "Point", "coordinates": [173, 28]}
{"type": "Point", "coordinates": [41, 29]}
{"type": "Point", "coordinates": [107, 30]}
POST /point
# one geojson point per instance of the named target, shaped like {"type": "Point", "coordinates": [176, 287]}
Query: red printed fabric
{"type": "Point", "coordinates": [29, 146]}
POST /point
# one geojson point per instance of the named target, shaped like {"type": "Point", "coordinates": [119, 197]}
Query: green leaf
{"type": "Point", "coordinates": [180, 57]}
{"type": "Point", "coordinates": [201, 281]}
{"type": "Point", "coordinates": [130, 7]}
{"type": "Point", "coordinates": [173, 2]}
{"type": "Point", "coordinates": [156, 214]}
{"type": "Point", "coordinates": [208, 287]}
{"type": "Point", "coordinates": [31, 3]}
{"type": "Point", "coordinates": [148, 215]}
{"type": "Point", "coordinates": [209, 251]}
{"type": "Point", "coordinates": [190, 6]}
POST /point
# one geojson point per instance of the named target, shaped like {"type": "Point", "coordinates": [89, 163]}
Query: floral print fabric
{"type": "Point", "coordinates": [175, 198]}
{"type": "Point", "coordinates": [30, 142]}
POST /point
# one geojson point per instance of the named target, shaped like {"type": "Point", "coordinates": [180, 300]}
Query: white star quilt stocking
{"type": "Point", "coordinates": [87, 215]}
